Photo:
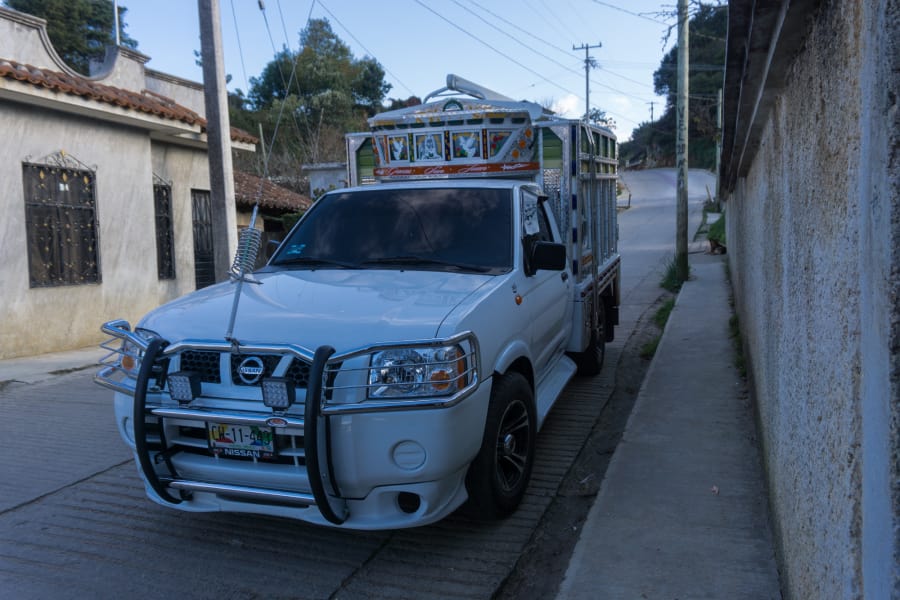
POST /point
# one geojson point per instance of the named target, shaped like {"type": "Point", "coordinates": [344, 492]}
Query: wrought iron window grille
{"type": "Point", "coordinates": [61, 221]}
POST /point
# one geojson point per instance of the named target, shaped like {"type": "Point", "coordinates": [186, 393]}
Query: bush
{"type": "Point", "coordinates": [717, 231]}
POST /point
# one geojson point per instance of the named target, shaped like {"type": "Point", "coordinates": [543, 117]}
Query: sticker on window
{"type": "Point", "coordinates": [530, 216]}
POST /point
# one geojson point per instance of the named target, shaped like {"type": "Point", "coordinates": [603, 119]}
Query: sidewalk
{"type": "Point", "coordinates": [31, 369]}
{"type": "Point", "coordinates": [682, 511]}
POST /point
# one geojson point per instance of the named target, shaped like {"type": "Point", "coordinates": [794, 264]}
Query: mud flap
{"type": "Point", "coordinates": [317, 447]}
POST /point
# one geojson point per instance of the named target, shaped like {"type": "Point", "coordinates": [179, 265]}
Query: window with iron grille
{"type": "Point", "coordinates": [165, 238]}
{"type": "Point", "coordinates": [61, 224]}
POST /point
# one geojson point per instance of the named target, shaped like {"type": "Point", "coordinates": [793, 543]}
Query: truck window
{"type": "Point", "coordinates": [535, 224]}
{"type": "Point", "coordinates": [455, 229]}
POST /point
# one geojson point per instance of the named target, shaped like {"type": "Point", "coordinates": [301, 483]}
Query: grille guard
{"type": "Point", "coordinates": [154, 355]}
{"type": "Point", "coordinates": [319, 466]}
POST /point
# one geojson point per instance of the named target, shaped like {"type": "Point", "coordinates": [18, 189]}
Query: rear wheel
{"type": "Point", "coordinates": [498, 476]}
{"type": "Point", "coordinates": [590, 361]}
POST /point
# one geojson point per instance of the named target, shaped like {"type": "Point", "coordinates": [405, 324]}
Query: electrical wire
{"type": "Point", "coordinates": [237, 34]}
{"type": "Point", "coordinates": [479, 40]}
{"type": "Point", "coordinates": [361, 45]}
{"type": "Point", "coordinates": [628, 12]}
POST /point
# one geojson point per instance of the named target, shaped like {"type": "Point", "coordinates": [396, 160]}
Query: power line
{"type": "Point", "coordinates": [361, 45]}
{"type": "Point", "coordinates": [479, 40]}
{"type": "Point", "coordinates": [525, 31]}
{"type": "Point", "coordinates": [237, 35]}
{"type": "Point", "coordinates": [543, 78]}
{"type": "Point", "coordinates": [628, 12]}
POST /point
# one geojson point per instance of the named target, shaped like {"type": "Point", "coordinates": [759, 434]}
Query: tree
{"type": "Point", "coordinates": [656, 141]}
{"type": "Point", "coordinates": [323, 66]}
{"type": "Point", "coordinates": [79, 29]}
{"type": "Point", "coordinates": [321, 92]}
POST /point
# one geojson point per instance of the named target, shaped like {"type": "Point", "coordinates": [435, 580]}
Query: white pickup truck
{"type": "Point", "coordinates": [401, 349]}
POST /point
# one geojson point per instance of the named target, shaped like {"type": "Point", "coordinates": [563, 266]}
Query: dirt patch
{"type": "Point", "coordinates": [544, 561]}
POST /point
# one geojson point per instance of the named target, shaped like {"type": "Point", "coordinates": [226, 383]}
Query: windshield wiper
{"type": "Point", "coordinates": [424, 261]}
{"type": "Point", "coordinates": [312, 261]}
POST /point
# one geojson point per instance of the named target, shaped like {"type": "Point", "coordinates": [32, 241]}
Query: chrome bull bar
{"type": "Point", "coordinates": [317, 448]}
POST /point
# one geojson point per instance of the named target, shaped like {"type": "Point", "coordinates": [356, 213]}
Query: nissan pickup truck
{"type": "Point", "coordinates": [399, 352]}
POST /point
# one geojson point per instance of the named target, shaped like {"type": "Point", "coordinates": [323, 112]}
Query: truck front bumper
{"type": "Point", "coordinates": [338, 464]}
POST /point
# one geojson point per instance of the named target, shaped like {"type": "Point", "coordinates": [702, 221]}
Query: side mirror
{"type": "Point", "coordinates": [549, 256]}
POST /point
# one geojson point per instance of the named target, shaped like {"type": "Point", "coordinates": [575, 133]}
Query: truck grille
{"type": "Point", "coordinates": [207, 365]}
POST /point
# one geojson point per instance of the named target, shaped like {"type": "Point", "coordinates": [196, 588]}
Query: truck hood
{"type": "Point", "coordinates": [344, 309]}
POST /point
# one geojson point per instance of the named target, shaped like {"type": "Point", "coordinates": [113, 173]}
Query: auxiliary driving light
{"type": "Point", "coordinates": [184, 386]}
{"type": "Point", "coordinates": [278, 393]}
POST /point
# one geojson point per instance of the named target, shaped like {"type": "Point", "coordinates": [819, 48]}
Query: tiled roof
{"type": "Point", "coordinates": [145, 101]}
{"type": "Point", "coordinates": [247, 186]}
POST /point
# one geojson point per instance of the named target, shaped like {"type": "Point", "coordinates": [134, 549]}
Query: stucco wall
{"type": "Point", "coordinates": [813, 249]}
{"type": "Point", "coordinates": [184, 92]}
{"type": "Point", "coordinates": [23, 38]}
{"type": "Point", "coordinates": [37, 320]}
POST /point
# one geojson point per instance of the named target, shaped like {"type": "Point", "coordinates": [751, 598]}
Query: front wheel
{"type": "Point", "coordinates": [498, 476]}
{"type": "Point", "coordinates": [590, 361]}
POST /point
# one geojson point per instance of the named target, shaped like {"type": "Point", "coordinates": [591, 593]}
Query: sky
{"type": "Point", "coordinates": [525, 49]}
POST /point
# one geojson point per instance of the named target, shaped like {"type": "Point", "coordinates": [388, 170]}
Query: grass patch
{"type": "Point", "coordinates": [717, 231]}
{"type": "Point", "coordinates": [737, 341]}
{"type": "Point", "coordinates": [649, 349]}
{"type": "Point", "coordinates": [671, 281]}
{"type": "Point", "coordinates": [662, 315]}
{"type": "Point", "coordinates": [660, 318]}
{"type": "Point", "coordinates": [734, 330]}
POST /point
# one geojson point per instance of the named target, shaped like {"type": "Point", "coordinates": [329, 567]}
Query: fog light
{"type": "Point", "coordinates": [408, 502]}
{"type": "Point", "coordinates": [278, 393]}
{"type": "Point", "coordinates": [184, 386]}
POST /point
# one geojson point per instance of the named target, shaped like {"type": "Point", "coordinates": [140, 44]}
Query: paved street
{"type": "Point", "coordinates": [74, 520]}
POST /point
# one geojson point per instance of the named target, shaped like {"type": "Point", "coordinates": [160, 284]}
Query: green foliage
{"type": "Point", "coordinates": [661, 316]}
{"type": "Point", "coordinates": [672, 281]}
{"type": "Point", "coordinates": [737, 341]}
{"type": "Point", "coordinates": [314, 96]}
{"type": "Point", "coordinates": [656, 140]}
{"type": "Point", "coordinates": [649, 349]}
{"type": "Point", "coordinates": [290, 219]}
{"type": "Point", "coordinates": [717, 231]}
{"type": "Point", "coordinates": [79, 29]}
{"type": "Point", "coordinates": [323, 73]}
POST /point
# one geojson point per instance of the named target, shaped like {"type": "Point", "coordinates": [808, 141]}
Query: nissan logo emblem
{"type": "Point", "coordinates": [251, 370]}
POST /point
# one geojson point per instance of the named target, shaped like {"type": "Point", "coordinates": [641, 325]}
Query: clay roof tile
{"type": "Point", "coordinates": [144, 101]}
{"type": "Point", "coordinates": [248, 187]}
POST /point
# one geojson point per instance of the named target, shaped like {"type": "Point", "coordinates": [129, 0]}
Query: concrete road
{"type": "Point", "coordinates": [74, 520]}
{"type": "Point", "coordinates": [647, 232]}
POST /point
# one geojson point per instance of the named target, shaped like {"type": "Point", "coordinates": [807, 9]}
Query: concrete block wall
{"type": "Point", "coordinates": [813, 234]}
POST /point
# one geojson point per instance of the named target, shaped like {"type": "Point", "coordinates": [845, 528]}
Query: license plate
{"type": "Point", "coordinates": [241, 441]}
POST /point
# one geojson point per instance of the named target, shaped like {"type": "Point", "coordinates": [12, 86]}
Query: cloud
{"type": "Point", "coordinates": [570, 106]}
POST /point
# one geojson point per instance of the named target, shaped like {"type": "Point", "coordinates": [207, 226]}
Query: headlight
{"type": "Point", "coordinates": [131, 353]}
{"type": "Point", "coordinates": [418, 372]}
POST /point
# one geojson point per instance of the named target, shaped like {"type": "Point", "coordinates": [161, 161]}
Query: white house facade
{"type": "Point", "coordinates": [104, 191]}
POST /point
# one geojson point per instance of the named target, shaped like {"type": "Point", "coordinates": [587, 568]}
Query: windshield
{"type": "Point", "coordinates": [456, 229]}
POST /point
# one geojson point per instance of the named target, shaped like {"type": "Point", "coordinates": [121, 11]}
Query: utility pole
{"type": "Point", "coordinates": [588, 63]}
{"type": "Point", "coordinates": [682, 269]}
{"type": "Point", "coordinates": [718, 146]}
{"type": "Point", "coordinates": [651, 110]}
{"type": "Point", "coordinates": [116, 22]}
{"type": "Point", "coordinates": [218, 135]}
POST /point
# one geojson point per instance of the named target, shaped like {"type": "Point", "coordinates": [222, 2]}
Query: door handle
{"type": "Point", "coordinates": [564, 276]}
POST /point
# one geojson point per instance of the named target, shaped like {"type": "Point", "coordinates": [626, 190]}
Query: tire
{"type": "Point", "coordinates": [499, 475]}
{"type": "Point", "coordinates": [590, 362]}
